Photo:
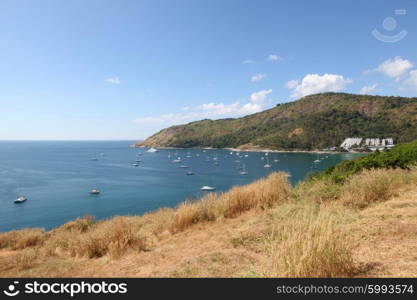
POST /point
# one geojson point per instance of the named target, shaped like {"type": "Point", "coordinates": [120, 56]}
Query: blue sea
{"type": "Point", "coordinates": [56, 178]}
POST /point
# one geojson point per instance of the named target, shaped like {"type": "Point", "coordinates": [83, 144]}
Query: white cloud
{"type": "Point", "coordinates": [257, 77]}
{"type": "Point", "coordinates": [257, 102]}
{"type": "Point", "coordinates": [315, 83]}
{"type": "Point", "coordinates": [248, 62]}
{"type": "Point", "coordinates": [411, 81]}
{"type": "Point", "coordinates": [394, 67]}
{"type": "Point", "coordinates": [113, 80]}
{"type": "Point", "coordinates": [368, 89]}
{"type": "Point", "coordinates": [274, 57]}
{"type": "Point", "coordinates": [291, 84]}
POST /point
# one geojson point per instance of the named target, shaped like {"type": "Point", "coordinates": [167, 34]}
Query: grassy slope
{"type": "Point", "coordinates": [361, 226]}
{"type": "Point", "coordinates": [313, 122]}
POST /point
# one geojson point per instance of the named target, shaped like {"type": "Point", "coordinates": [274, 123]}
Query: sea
{"type": "Point", "coordinates": [57, 176]}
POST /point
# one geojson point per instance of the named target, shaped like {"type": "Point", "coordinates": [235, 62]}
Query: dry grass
{"type": "Point", "coordinates": [373, 186]}
{"type": "Point", "coordinates": [263, 194]}
{"type": "Point", "coordinates": [21, 239]}
{"type": "Point", "coordinates": [113, 237]}
{"type": "Point", "coordinates": [308, 231]}
{"type": "Point", "coordinates": [311, 243]}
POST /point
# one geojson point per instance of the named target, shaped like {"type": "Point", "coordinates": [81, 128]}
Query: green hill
{"type": "Point", "coordinates": [312, 122]}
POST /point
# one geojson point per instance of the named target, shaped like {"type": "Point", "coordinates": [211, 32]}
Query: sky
{"type": "Point", "coordinates": [121, 69]}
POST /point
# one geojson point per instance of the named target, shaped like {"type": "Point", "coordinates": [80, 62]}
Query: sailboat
{"type": "Point", "coordinates": [267, 165]}
{"type": "Point", "coordinates": [207, 188]}
{"type": "Point", "coordinates": [94, 192]}
{"type": "Point", "coordinates": [178, 160]}
{"type": "Point", "coordinates": [243, 171]}
{"type": "Point", "coordinates": [20, 199]}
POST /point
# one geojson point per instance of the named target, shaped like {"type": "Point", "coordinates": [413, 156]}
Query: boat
{"type": "Point", "coordinates": [184, 166]}
{"type": "Point", "coordinates": [317, 161]}
{"type": "Point", "coordinates": [243, 171]}
{"type": "Point", "coordinates": [20, 199]}
{"type": "Point", "coordinates": [267, 165]}
{"type": "Point", "coordinates": [276, 160]}
{"type": "Point", "coordinates": [190, 173]}
{"type": "Point", "coordinates": [189, 154]}
{"type": "Point", "coordinates": [178, 160]}
{"type": "Point", "coordinates": [138, 160]}
{"type": "Point", "coordinates": [152, 150]}
{"type": "Point", "coordinates": [207, 188]}
{"type": "Point", "coordinates": [94, 192]}
{"type": "Point", "coordinates": [135, 165]}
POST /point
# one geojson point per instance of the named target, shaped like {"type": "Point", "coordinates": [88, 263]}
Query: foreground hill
{"type": "Point", "coordinates": [313, 122]}
{"type": "Point", "coordinates": [363, 225]}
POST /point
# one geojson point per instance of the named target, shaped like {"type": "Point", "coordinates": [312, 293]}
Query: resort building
{"type": "Point", "coordinates": [367, 144]}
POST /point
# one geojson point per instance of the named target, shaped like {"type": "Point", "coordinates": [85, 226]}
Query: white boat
{"type": "Point", "coordinates": [94, 192]}
{"type": "Point", "coordinates": [20, 199]}
{"type": "Point", "coordinates": [317, 161]}
{"type": "Point", "coordinates": [207, 188]}
{"type": "Point", "coordinates": [151, 150]}
{"type": "Point", "coordinates": [276, 160]}
{"type": "Point", "coordinates": [267, 165]}
{"type": "Point", "coordinates": [190, 173]}
{"type": "Point", "coordinates": [243, 171]}
{"type": "Point", "coordinates": [184, 166]}
{"type": "Point", "coordinates": [135, 165]}
{"type": "Point", "coordinates": [189, 154]}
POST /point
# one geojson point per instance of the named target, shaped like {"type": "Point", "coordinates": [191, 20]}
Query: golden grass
{"type": "Point", "coordinates": [298, 232]}
{"type": "Point", "coordinates": [20, 239]}
{"type": "Point", "coordinates": [263, 194]}
{"type": "Point", "coordinates": [310, 243]}
{"type": "Point", "coordinates": [373, 186]}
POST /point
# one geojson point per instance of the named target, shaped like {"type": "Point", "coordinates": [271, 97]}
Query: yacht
{"type": "Point", "coordinates": [94, 192]}
{"type": "Point", "coordinates": [267, 165]}
{"type": "Point", "coordinates": [207, 188]}
{"type": "Point", "coordinates": [243, 171]}
{"type": "Point", "coordinates": [20, 199]}
{"type": "Point", "coordinates": [153, 150]}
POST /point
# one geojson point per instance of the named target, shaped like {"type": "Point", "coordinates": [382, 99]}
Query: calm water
{"type": "Point", "coordinates": [56, 177]}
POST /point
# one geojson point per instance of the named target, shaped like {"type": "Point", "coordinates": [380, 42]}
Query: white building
{"type": "Point", "coordinates": [372, 144]}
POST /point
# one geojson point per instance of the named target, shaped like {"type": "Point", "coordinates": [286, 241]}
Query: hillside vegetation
{"type": "Point", "coordinates": [363, 225]}
{"type": "Point", "coordinates": [313, 122]}
{"type": "Point", "coordinates": [403, 156]}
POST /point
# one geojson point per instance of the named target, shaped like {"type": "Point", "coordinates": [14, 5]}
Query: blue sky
{"type": "Point", "coordinates": [119, 69]}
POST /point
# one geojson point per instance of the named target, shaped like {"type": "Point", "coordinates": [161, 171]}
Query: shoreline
{"type": "Point", "coordinates": [263, 150]}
